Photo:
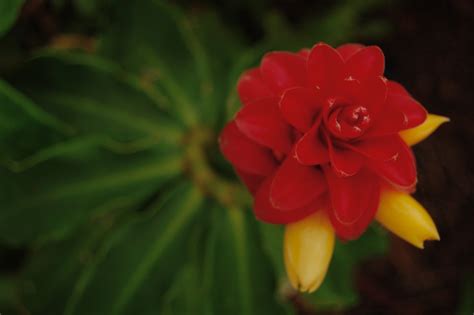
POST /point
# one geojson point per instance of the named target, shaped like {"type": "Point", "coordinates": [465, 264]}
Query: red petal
{"type": "Point", "coordinates": [296, 185]}
{"type": "Point", "coordinates": [262, 122]}
{"type": "Point", "coordinates": [252, 181]}
{"type": "Point", "coordinates": [344, 162]}
{"type": "Point", "coordinates": [414, 113]}
{"type": "Point", "coordinates": [325, 67]}
{"type": "Point", "coordinates": [387, 122]}
{"type": "Point", "coordinates": [251, 86]}
{"type": "Point", "coordinates": [356, 229]}
{"type": "Point", "coordinates": [372, 94]}
{"type": "Point", "coordinates": [347, 50]}
{"type": "Point", "coordinates": [396, 88]}
{"type": "Point", "coordinates": [265, 211]}
{"type": "Point", "coordinates": [381, 148]}
{"type": "Point", "coordinates": [283, 70]}
{"type": "Point", "coordinates": [299, 107]}
{"type": "Point", "coordinates": [310, 150]}
{"type": "Point", "coordinates": [304, 53]}
{"type": "Point", "coordinates": [245, 154]}
{"type": "Point", "coordinates": [367, 62]}
{"type": "Point", "coordinates": [400, 171]}
{"type": "Point", "coordinates": [354, 201]}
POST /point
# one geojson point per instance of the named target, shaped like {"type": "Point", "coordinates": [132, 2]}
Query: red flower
{"type": "Point", "coordinates": [320, 129]}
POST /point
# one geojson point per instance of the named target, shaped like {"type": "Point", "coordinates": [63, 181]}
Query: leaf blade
{"type": "Point", "coordinates": [126, 289]}
{"type": "Point", "coordinates": [8, 12]}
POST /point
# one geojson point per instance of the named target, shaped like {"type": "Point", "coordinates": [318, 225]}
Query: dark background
{"type": "Point", "coordinates": [430, 51]}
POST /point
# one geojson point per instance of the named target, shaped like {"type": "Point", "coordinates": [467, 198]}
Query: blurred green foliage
{"type": "Point", "coordinates": [111, 180]}
{"type": "Point", "coordinates": [467, 293]}
{"type": "Point", "coordinates": [8, 13]}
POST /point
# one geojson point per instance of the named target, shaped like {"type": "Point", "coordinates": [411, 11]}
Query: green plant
{"type": "Point", "coordinates": [112, 181]}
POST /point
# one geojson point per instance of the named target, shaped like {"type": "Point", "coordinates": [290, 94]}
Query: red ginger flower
{"type": "Point", "coordinates": [322, 126]}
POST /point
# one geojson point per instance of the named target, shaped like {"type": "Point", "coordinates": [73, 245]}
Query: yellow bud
{"type": "Point", "coordinates": [401, 214]}
{"type": "Point", "coordinates": [414, 135]}
{"type": "Point", "coordinates": [308, 249]}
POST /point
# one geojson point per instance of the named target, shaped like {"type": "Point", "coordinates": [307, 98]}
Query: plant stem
{"type": "Point", "coordinates": [226, 192]}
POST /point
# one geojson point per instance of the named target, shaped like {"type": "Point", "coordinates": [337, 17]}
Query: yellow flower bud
{"type": "Point", "coordinates": [414, 135]}
{"type": "Point", "coordinates": [308, 249]}
{"type": "Point", "coordinates": [401, 214]}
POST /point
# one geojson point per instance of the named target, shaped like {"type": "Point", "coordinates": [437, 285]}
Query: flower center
{"type": "Point", "coordinates": [345, 120]}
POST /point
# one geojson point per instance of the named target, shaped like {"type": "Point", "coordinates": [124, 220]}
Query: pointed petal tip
{"type": "Point", "coordinates": [405, 217]}
{"type": "Point", "coordinates": [421, 243]}
{"type": "Point", "coordinates": [430, 125]}
{"type": "Point", "coordinates": [443, 118]}
{"type": "Point", "coordinates": [316, 284]}
{"type": "Point", "coordinates": [432, 235]}
{"type": "Point", "coordinates": [439, 119]}
{"type": "Point", "coordinates": [308, 249]}
{"type": "Point", "coordinates": [308, 288]}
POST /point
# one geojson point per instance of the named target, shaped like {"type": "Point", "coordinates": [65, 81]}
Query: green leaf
{"type": "Point", "coordinates": [272, 242]}
{"type": "Point", "coordinates": [53, 269]}
{"type": "Point", "coordinates": [340, 23]}
{"type": "Point", "coordinates": [139, 261]}
{"type": "Point", "coordinates": [161, 54]}
{"type": "Point", "coordinates": [185, 295]}
{"type": "Point", "coordinates": [221, 51]}
{"type": "Point", "coordinates": [20, 118]}
{"type": "Point", "coordinates": [179, 58]}
{"type": "Point", "coordinates": [77, 180]}
{"type": "Point", "coordinates": [9, 300]}
{"type": "Point", "coordinates": [239, 280]}
{"type": "Point", "coordinates": [95, 97]}
{"type": "Point", "coordinates": [128, 150]}
{"type": "Point", "coordinates": [466, 305]}
{"type": "Point", "coordinates": [88, 7]}
{"type": "Point", "coordinates": [8, 12]}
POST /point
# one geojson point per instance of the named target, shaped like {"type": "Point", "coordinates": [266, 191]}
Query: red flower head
{"type": "Point", "coordinates": [319, 129]}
